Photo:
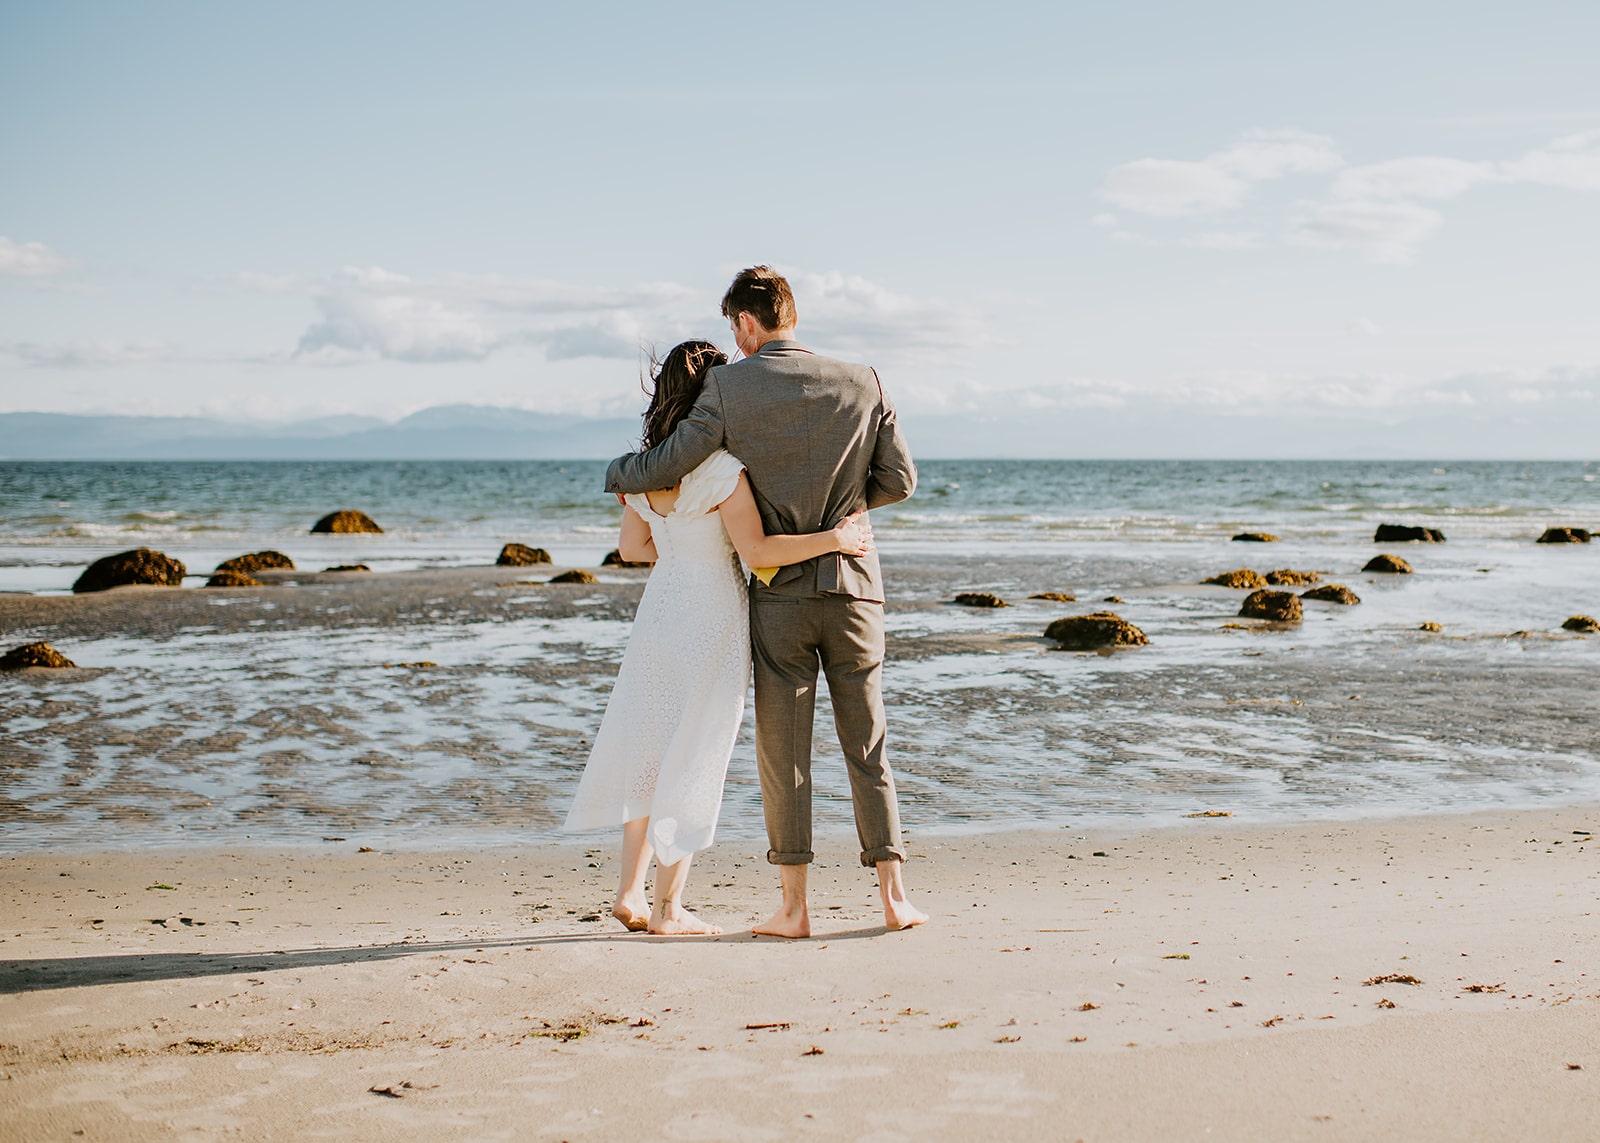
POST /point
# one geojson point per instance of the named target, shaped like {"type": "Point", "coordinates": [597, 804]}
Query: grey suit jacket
{"type": "Point", "coordinates": [819, 440]}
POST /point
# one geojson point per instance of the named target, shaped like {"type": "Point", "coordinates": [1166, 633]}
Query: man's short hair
{"type": "Point", "coordinates": [762, 293]}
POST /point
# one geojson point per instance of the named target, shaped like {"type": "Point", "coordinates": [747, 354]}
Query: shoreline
{"type": "Point", "coordinates": [1215, 974]}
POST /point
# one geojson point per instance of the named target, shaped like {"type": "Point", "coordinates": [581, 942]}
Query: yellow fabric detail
{"type": "Point", "coordinates": [764, 574]}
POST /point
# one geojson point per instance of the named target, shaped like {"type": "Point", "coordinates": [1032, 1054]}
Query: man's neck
{"type": "Point", "coordinates": [769, 336]}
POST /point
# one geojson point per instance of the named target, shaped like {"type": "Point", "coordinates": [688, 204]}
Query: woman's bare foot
{"type": "Point", "coordinates": [679, 922]}
{"type": "Point", "coordinates": [789, 921]}
{"type": "Point", "coordinates": [634, 913]}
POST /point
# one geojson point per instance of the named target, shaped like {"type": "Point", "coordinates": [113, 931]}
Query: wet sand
{"type": "Point", "coordinates": [1201, 981]}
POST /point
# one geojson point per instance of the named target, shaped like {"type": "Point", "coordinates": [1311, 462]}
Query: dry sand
{"type": "Point", "coordinates": [1202, 982]}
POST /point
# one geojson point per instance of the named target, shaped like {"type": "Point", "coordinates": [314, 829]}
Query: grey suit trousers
{"type": "Point", "coordinates": [792, 636]}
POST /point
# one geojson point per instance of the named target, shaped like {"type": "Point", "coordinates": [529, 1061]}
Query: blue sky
{"type": "Point", "coordinates": [1355, 215]}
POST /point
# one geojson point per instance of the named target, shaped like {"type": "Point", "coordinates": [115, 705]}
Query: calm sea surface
{"type": "Point", "coordinates": [452, 707]}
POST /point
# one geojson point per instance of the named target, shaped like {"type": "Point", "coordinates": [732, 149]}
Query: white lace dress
{"type": "Point", "coordinates": [663, 746]}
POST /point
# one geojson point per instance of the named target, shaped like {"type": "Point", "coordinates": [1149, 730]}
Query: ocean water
{"type": "Point", "coordinates": [299, 711]}
{"type": "Point", "coordinates": [55, 517]}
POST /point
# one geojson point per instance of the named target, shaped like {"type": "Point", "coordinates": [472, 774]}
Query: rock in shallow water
{"type": "Point", "coordinates": [1430, 625]}
{"type": "Point", "coordinates": [521, 556]}
{"type": "Point", "coordinates": [980, 599]}
{"type": "Point", "coordinates": [1288, 577]}
{"type": "Point", "coordinates": [1566, 536]}
{"type": "Point", "coordinates": [1391, 565]}
{"type": "Point", "coordinates": [1255, 538]}
{"type": "Point", "coordinates": [576, 575]}
{"type": "Point", "coordinates": [1055, 596]}
{"type": "Point", "coordinates": [1278, 606]}
{"type": "Point", "coordinates": [252, 562]}
{"type": "Point", "coordinates": [34, 655]}
{"type": "Point", "coordinates": [142, 565]}
{"type": "Point", "coordinates": [1332, 593]}
{"type": "Point", "coordinates": [348, 568]}
{"type": "Point", "coordinates": [1406, 533]}
{"type": "Point", "coordinates": [1238, 578]}
{"type": "Point", "coordinates": [1099, 629]}
{"type": "Point", "coordinates": [346, 520]}
{"type": "Point", "coordinates": [232, 579]}
{"type": "Point", "coordinates": [1585, 624]}
{"type": "Point", "coordinates": [614, 560]}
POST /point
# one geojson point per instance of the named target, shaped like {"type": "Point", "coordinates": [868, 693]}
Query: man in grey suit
{"type": "Point", "coordinates": [819, 440]}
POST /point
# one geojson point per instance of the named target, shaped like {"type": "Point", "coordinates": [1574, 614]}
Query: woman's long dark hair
{"type": "Point", "coordinates": [674, 386]}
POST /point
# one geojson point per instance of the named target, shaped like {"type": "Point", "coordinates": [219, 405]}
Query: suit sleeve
{"type": "Point", "coordinates": [893, 477]}
{"type": "Point", "coordinates": [697, 436]}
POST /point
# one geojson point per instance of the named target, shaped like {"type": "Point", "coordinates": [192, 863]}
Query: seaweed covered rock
{"type": "Point", "coordinates": [348, 568]}
{"type": "Point", "coordinates": [1255, 538]}
{"type": "Point", "coordinates": [34, 655]}
{"type": "Point", "coordinates": [1288, 577]}
{"type": "Point", "coordinates": [1566, 536]}
{"type": "Point", "coordinates": [142, 565]}
{"type": "Point", "coordinates": [1099, 629]}
{"type": "Point", "coordinates": [252, 562]}
{"type": "Point", "coordinates": [1389, 565]}
{"type": "Point", "coordinates": [980, 599]}
{"type": "Point", "coordinates": [1332, 593]}
{"type": "Point", "coordinates": [1278, 606]}
{"type": "Point", "coordinates": [346, 520]}
{"type": "Point", "coordinates": [1055, 596]}
{"type": "Point", "coordinates": [614, 560]}
{"type": "Point", "coordinates": [1242, 578]}
{"type": "Point", "coordinates": [232, 579]}
{"type": "Point", "coordinates": [1406, 533]}
{"type": "Point", "coordinates": [521, 556]}
{"type": "Point", "coordinates": [1584, 624]}
{"type": "Point", "coordinates": [576, 575]}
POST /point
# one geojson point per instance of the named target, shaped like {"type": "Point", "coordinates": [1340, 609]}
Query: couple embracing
{"type": "Point", "coordinates": [771, 461]}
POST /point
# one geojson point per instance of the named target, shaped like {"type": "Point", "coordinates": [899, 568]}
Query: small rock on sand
{"type": "Point", "coordinates": [346, 520]}
{"type": "Point", "coordinates": [232, 579]}
{"type": "Point", "coordinates": [576, 575]}
{"type": "Point", "coordinates": [980, 599]}
{"type": "Point", "coordinates": [1566, 536]}
{"type": "Point", "coordinates": [1099, 629]}
{"type": "Point", "coordinates": [142, 565]}
{"type": "Point", "coordinates": [1406, 533]}
{"type": "Point", "coordinates": [521, 556]}
{"type": "Point", "coordinates": [1278, 606]}
{"type": "Point", "coordinates": [614, 560]}
{"type": "Point", "coordinates": [348, 568]}
{"type": "Point", "coordinates": [1288, 577]}
{"type": "Point", "coordinates": [1585, 624]}
{"type": "Point", "coordinates": [252, 562]}
{"type": "Point", "coordinates": [1242, 578]}
{"type": "Point", "coordinates": [34, 655]}
{"type": "Point", "coordinates": [1391, 565]}
{"type": "Point", "coordinates": [1430, 625]}
{"type": "Point", "coordinates": [1255, 538]}
{"type": "Point", "coordinates": [1332, 593]}
{"type": "Point", "coordinates": [1055, 596]}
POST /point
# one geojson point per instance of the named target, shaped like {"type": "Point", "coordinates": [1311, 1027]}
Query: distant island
{"type": "Point", "coordinates": [484, 432]}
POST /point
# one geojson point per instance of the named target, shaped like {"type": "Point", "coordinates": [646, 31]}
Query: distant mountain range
{"type": "Point", "coordinates": [477, 432]}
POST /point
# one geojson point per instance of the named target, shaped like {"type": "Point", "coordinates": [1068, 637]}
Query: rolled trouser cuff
{"type": "Point", "coordinates": [776, 858]}
{"type": "Point", "coordinates": [882, 853]}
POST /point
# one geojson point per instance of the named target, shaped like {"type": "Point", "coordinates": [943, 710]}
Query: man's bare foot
{"type": "Point", "coordinates": [789, 921]}
{"type": "Point", "coordinates": [679, 922]}
{"type": "Point", "coordinates": [898, 913]}
{"type": "Point", "coordinates": [634, 913]}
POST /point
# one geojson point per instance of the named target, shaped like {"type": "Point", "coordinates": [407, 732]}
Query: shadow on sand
{"type": "Point", "coordinates": [125, 968]}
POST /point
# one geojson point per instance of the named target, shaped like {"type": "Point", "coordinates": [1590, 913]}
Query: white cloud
{"type": "Point", "coordinates": [1572, 161]}
{"type": "Point", "coordinates": [1221, 181]}
{"type": "Point", "coordinates": [1225, 240]}
{"type": "Point", "coordinates": [369, 311]}
{"type": "Point", "coordinates": [853, 316]}
{"type": "Point", "coordinates": [1104, 220]}
{"type": "Point", "coordinates": [29, 259]}
{"type": "Point", "coordinates": [1385, 231]}
{"type": "Point", "coordinates": [1422, 176]}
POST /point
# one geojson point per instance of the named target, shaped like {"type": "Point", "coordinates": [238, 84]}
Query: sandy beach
{"type": "Point", "coordinates": [1202, 981]}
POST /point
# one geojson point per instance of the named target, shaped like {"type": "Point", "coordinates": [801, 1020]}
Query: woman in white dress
{"type": "Point", "coordinates": [662, 751]}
